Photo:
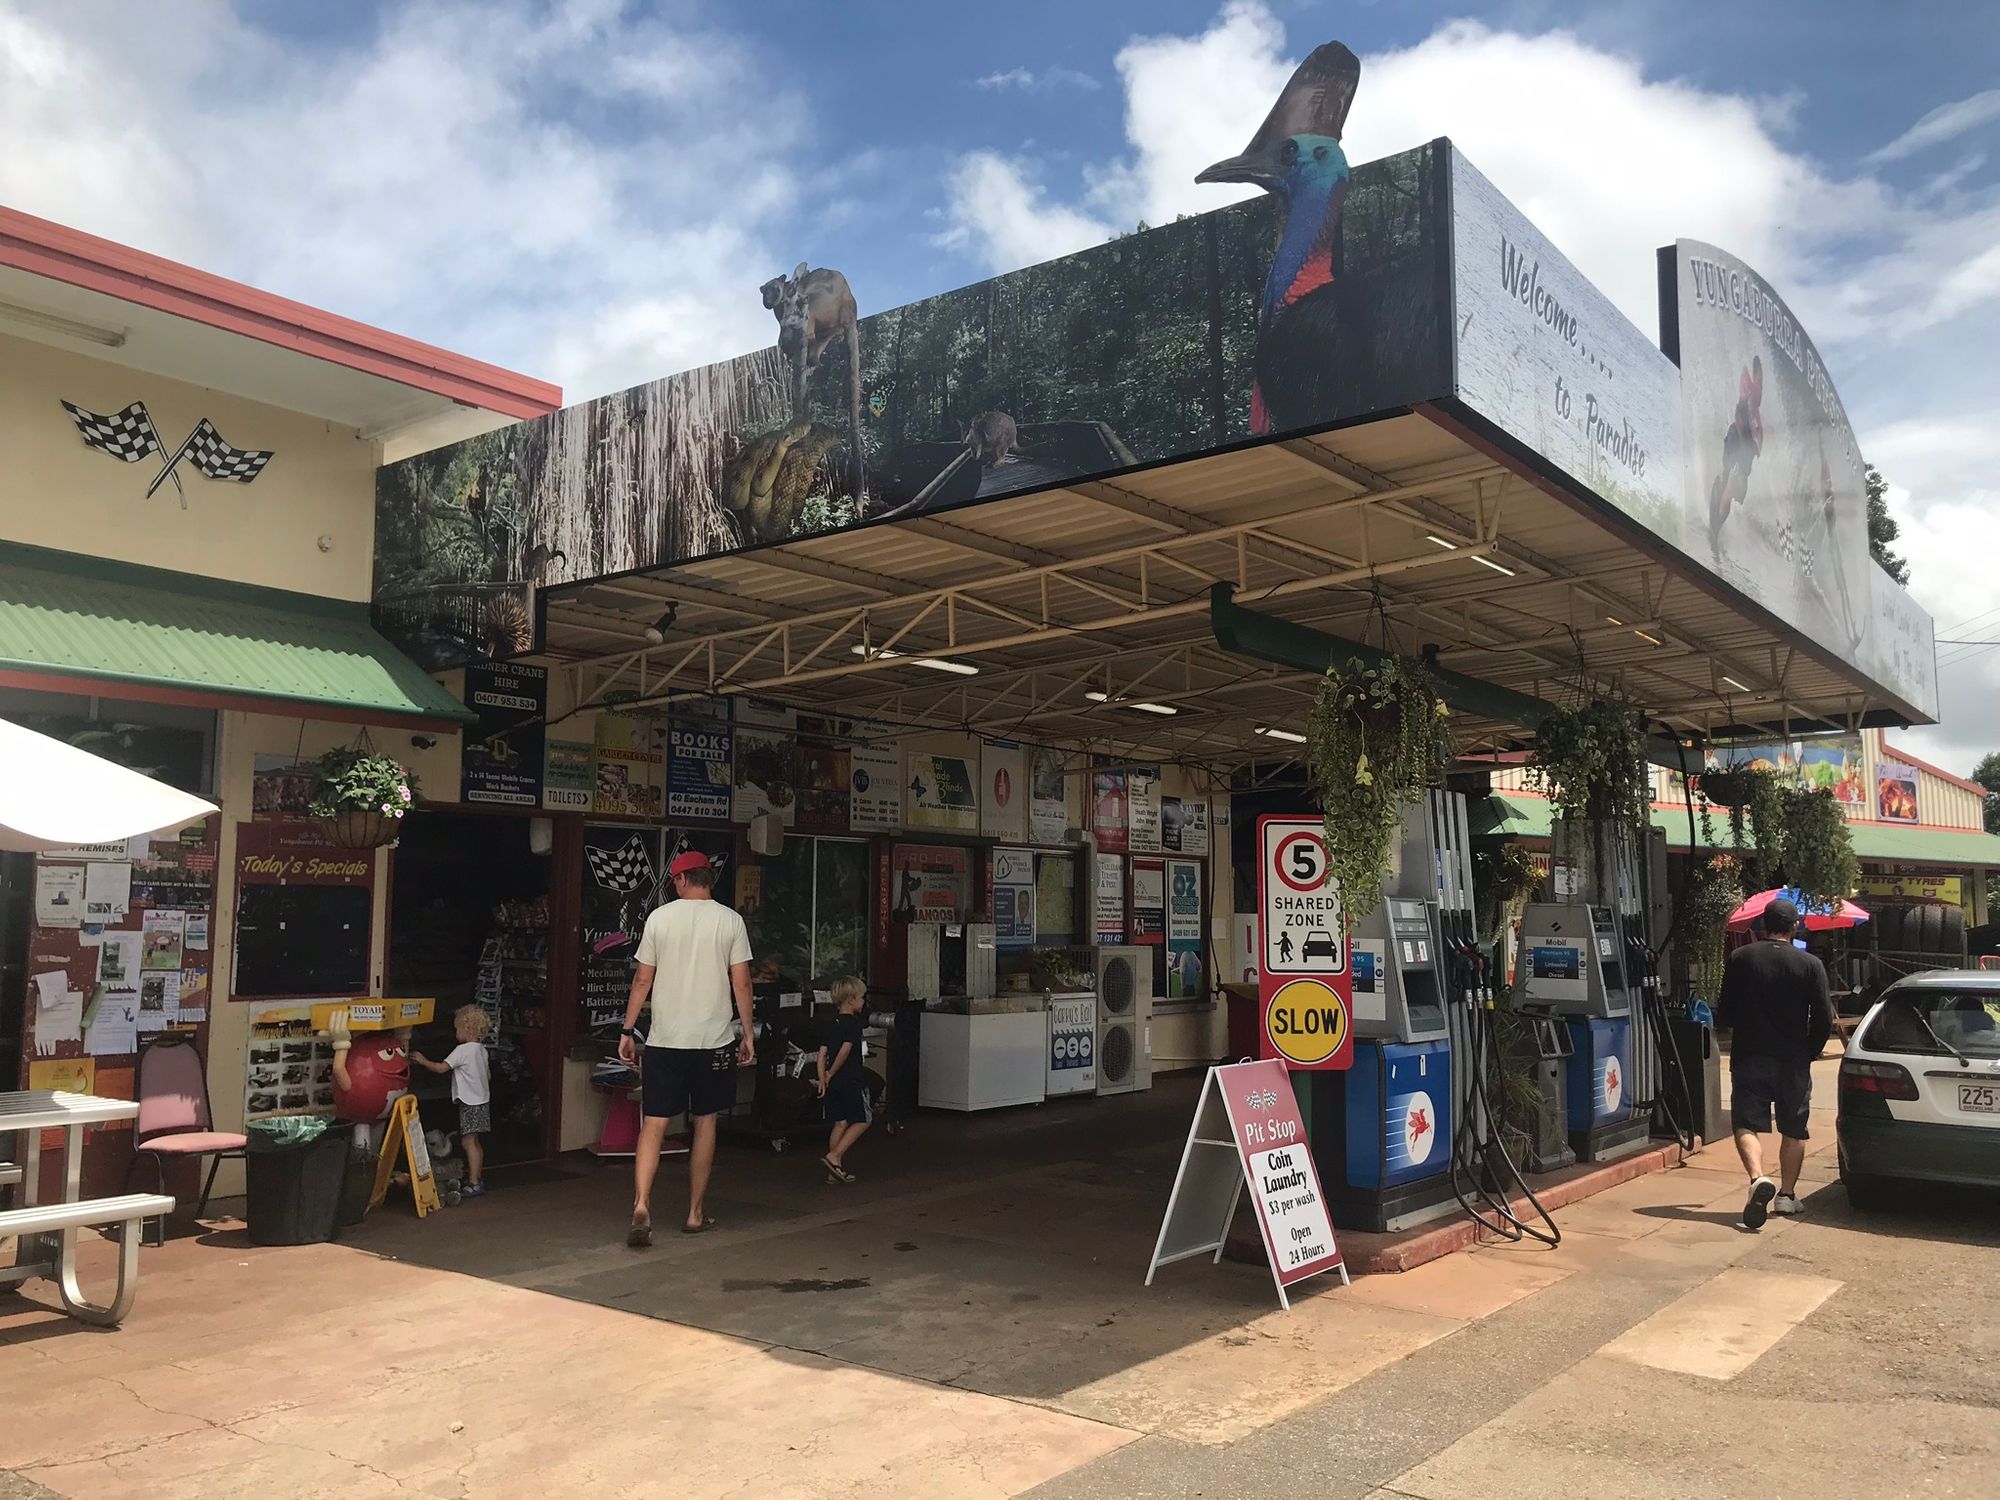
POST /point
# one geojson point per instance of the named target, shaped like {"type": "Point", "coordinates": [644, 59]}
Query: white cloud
{"type": "Point", "coordinates": [572, 190]}
{"type": "Point", "coordinates": [998, 207]}
{"type": "Point", "coordinates": [1046, 81]}
{"type": "Point", "coordinates": [1945, 123]}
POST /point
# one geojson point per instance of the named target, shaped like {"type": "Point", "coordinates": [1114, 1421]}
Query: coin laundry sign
{"type": "Point", "coordinates": [130, 437]}
{"type": "Point", "coordinates": [1304, 981]}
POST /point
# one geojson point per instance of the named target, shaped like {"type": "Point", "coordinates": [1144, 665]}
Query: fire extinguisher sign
{"type": "Point", "coordinates": [1304, 981]}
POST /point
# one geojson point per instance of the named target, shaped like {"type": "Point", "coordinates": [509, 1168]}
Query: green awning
{"type": "Point", "coordinates": [68, 616]}
{"type": "Point", "coordinates": [1512, 815]}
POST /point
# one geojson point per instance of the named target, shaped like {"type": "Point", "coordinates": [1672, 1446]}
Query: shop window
{"type": "Point", "coordinates": [807, 910]}
{"type": "Point", "coordinates": [164, 741]}
{"type": "Point", "coordinates": [302, 940]}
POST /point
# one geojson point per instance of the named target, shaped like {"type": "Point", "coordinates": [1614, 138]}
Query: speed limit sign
{"type": "Point", "coordinates": [1302, 969]}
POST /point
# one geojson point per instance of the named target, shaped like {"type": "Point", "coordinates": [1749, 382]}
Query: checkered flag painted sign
{"type": "Point", "coordinates": [624, 869]}
{"type": "Point", "coordinates": [126, 435]}
{"type": "Point", "coordinates": [218, 460]}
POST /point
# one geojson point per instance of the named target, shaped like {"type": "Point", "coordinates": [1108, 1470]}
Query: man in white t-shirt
{"type": "Point", "coordinates": [693, 961]}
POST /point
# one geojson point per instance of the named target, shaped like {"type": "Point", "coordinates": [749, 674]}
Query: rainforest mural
{"type": "Point", "coordinates": [1317, 302]}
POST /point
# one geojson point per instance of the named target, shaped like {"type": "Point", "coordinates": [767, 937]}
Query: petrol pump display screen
{"type": "Point", "coordinates": [1556, 961]}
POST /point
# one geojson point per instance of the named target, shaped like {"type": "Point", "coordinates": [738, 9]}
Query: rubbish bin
{"type": "Point", "coordinates": [293, 1172]}
{"type": "Point", "coordinates": [1245, 1020]}
{"type": "Point", "coordinates": [1696, 1058]}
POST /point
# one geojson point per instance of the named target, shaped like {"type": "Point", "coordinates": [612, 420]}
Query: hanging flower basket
{"type": "Point", "coordinates": [361, 797]}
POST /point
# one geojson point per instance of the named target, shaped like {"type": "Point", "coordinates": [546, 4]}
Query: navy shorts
{"type": "Point", "coordinates": [687, 1081]}
{"type": "Point", "coordinates": [1760, 1086]}
{"type": "Point", "coordinates": [847, 1100]}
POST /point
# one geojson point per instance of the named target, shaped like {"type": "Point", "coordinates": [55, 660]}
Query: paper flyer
{"type": "Point", "coordinates": [107, 891]}
{"type": "Point", "coordinates": [114, 1029]}
{"type": "Point", "coordinates": [164, 932]}
{"type": "Point", "coordinates": [118, 960]}
{"type": "Point", "coordinates": [59, 896]}
{"type": "Point", "coordinates": [196, 939]}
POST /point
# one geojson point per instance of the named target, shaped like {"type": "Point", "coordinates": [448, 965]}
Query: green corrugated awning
{"type": "Point", "coordinates": [69, 616]}
{"type": "Point", "coordinates": [1510, 815]}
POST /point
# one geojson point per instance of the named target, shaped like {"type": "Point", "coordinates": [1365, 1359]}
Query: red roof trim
{"type": "Point", "coordinates": [68, 255]}
{"type": "Point", "coordinates": [1902, 758]}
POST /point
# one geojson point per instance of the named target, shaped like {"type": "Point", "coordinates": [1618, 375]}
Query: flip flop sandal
{"type": "Point", "coordinates": [702, 1228]}
{"type": "Point", "coordinates": [834, 1173]}
{"type": "Point", "coordinates": [640, 1235]}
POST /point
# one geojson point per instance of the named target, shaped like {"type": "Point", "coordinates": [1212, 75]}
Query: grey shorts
{"type": "Point", "coordinates": [475, 1119]}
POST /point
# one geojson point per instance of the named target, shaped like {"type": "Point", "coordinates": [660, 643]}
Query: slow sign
{"type": "Point", "coordinates": [1304, 981]}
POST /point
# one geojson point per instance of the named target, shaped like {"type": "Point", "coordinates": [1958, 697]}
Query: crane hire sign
{"type": "Point", "coordinates": [1304, 983]}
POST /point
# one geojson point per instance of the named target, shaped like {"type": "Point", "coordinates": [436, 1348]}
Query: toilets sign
{"type": "Point", "coordinates": [1304, 981]}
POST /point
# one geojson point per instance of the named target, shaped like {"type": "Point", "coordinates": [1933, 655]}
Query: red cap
{"type": "Point", "coordinates": [693, 859]}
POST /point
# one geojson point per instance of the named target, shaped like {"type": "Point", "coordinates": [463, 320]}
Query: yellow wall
{"type": "Point", "coordinates": [56, 492]}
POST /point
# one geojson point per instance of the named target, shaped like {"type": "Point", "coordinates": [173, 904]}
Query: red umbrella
{"type": "Point", "coordinates": [1820, 916]}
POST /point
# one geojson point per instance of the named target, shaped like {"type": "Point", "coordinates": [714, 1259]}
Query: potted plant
{"type": "Point", "coordinates": [361, 796]}
{"type": "Point", "coordinates": [1714, 890]}
{"type": "Point", "coordinates": [1375, 739]}
{"type": "Point", "coordinates": [1591, 763]}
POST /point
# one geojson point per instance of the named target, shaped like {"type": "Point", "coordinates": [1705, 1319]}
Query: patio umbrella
{"type": "Point", "coordinates": [1819, 916]}
{"type": "Point", "coordinates": [55, 796]}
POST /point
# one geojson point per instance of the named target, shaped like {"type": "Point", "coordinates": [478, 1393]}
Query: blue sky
{"type": "Point", "coordinates": [592, 190]}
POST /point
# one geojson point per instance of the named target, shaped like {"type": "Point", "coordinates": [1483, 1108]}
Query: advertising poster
{"type": "Point", "coordinates": [930, 883]}
{"type": "Point", "coordinates": [1108, 900]}
{"type": "Point", "coordinates": [1547, 357]}
{"type": "Point", "coordinates": [1144, 809]}
{"type": "Point", "coordinates": [1774, 499]}
{"type": "Point", "coordinates": [1048, 798]}
{"type": "Point", "coordinates": [826, 785]}
{"type": "Point", "coordinates": [1833, 764]}
{"type": "Point", "coordinates": [1896, 792]}
{"type": "Point", "coordinates": [612, 484]}
{"type": "Point", "coordinates": [1004, 795]}
{"type": "Point", "coordinates": [281, 787]}
{"type": "Point", "coordinates": [942, 794]}
{"type": "Point", "coordinates": [698, 759]}
{"type": "Point", "coordinates": [569, 775]}
{"type": "Point", "coordinates": [631, 765]}
{"type": "Point", "coordinates": [1185, 978]}
{"type": "Point", "coordinates": [1184, 825]}
{"type": "Point", "coordinates": [875, 779]}
{"type": "Point", "coordinates": [501, 755]}
{"type": "Point", "coordinates": [1055, 899]}
{"type": "Point", "coordinates": [621, 886]}
{"type": "Point", "coordinates": [1149, 901]}
{"type": "Point", "coordinates": [766, 776]}
{"type": "Point", "coordinates": [1109, 820]}
{"type": "Point", "coordinates": [1014, 897]}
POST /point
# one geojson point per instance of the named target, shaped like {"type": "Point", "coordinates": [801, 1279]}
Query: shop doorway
{"type": "Point", "coordinates": [807, 908]}
{"type": "Point", "coordinates": [469, 924]}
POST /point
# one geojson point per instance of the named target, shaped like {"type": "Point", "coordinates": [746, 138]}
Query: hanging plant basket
{"type": "Point", "coordinates": [1376, 738]}
{"type": "Point", "coordinates": [361, 828]}
{"type": "Point", "coordinates": [1731, 788]}
{"type": "Point", "coordinates": [361, 797]}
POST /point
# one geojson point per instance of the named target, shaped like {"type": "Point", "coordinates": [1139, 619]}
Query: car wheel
{"type": "Point", "coordinates": [1868, 1195]}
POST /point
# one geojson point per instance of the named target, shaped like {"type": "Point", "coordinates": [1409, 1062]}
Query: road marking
{"type": "Point", "coordinates": [1725, 1325]}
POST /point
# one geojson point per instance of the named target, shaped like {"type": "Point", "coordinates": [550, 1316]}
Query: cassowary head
{"type": "Point", "coordinates": [1298, 145]}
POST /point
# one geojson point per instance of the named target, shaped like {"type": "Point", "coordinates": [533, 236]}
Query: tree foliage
{"type": "Point", "coordinates": [1987, 774]}
{"type": "Point", "coordinates": [1882, 528]}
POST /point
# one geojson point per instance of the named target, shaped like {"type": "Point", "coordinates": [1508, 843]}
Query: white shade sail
{"type": "Point", "coordinates": [55, 796]}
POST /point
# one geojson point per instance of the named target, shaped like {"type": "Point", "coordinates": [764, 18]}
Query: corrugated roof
{"type": "Point", "coordinates": [1517, 816]}
{"type": "Point", "coordinates": [75, 616]}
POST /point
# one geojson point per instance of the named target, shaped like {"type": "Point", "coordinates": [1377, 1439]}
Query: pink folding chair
{"type": "Point", "coordinates": [174, 1117]}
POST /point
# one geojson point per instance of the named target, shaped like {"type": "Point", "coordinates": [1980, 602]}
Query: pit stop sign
{"type": "Point", "coordinates": [1304, 985]}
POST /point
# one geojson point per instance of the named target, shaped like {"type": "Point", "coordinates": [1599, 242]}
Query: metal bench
{"type": "Point", "coordinates": [130, 1210]}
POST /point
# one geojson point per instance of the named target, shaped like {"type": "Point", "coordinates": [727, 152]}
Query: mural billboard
{"type": "Point", "coordinates": [1773, 498]}
{"type": "Point", "coordinates": [1318, 302]}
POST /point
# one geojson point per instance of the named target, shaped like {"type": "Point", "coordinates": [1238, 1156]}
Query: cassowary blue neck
{"type": "Point", "coordinates": [1304, 259]}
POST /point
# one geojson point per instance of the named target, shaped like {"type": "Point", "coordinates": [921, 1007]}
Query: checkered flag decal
{"type": "Point", "coordinates": [1794, 551]}
{"type": "Point", "coordinates": [621, 870]}
{"type": "Point", "coordinates": [126, 435]}
{"type": "Point", "coordinates": [218, 460]}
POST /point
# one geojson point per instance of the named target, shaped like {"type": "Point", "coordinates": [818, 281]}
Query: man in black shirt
{"type": "Point", "coordinates": [1775, 1001]}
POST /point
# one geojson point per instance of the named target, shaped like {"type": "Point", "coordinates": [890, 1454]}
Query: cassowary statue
{"type": "Point", "coordinates": [1296, 155]}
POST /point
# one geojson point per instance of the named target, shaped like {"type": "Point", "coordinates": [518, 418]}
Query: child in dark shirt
{"type": "Point", "coordinates": [842, 1083]}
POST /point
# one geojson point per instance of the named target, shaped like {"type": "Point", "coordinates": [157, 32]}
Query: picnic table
{"type": "Point", "coordinates": [48, 1231]}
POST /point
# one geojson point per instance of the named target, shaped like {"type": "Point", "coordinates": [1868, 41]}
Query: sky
{"type": "Point", "coordinates": [591, 191]}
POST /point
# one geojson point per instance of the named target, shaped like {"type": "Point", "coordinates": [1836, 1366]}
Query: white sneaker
{"type": "Point", "coordinates": [1757, 1207]}
{"type": "Point", "coordinates": [1787, 1204]}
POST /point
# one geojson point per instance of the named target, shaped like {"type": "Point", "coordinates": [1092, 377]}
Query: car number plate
{"type": "Point", "coordinates": [1979, 1098]}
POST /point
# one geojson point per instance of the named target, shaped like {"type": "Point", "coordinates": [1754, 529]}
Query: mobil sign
{"type": "Point", "coordinates": [1305, 987]}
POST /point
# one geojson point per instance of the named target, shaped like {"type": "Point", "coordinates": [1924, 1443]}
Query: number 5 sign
{"type": "Point", "coordinates": [1303, 980]}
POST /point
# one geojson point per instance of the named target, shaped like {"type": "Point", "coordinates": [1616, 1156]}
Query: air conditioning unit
{"type": "Point", "coordinates": [1124, 1019]}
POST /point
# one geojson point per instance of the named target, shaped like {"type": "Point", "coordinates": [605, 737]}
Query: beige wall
{"type": "Point", "coordinates": [56, 492]}
{"type": "Point", "coordinates": [243, 737]}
